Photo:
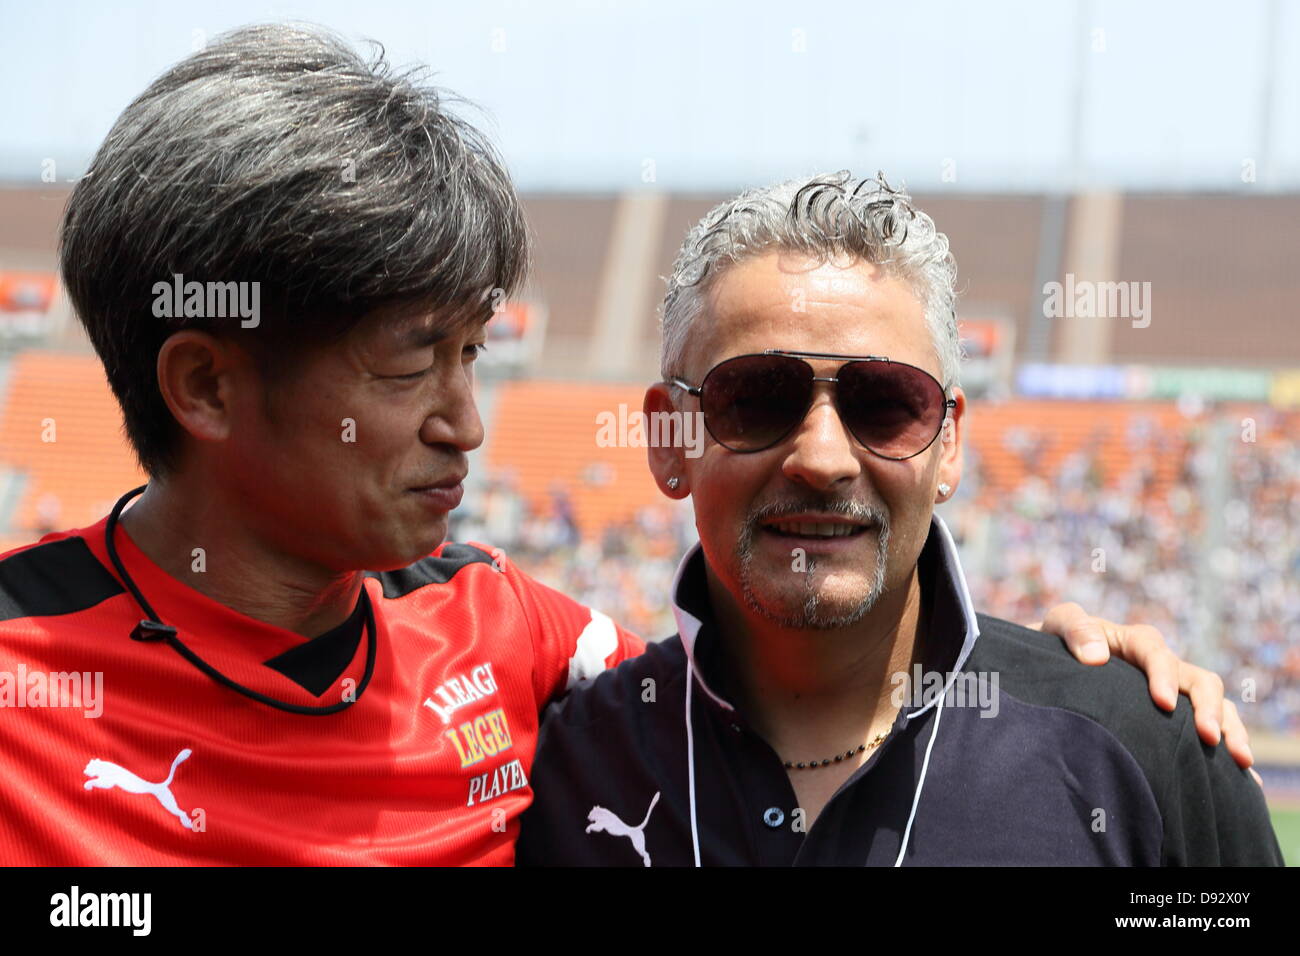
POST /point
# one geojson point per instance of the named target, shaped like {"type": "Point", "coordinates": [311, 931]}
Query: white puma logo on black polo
{"type": "Point", "coordinates": [606, 821]}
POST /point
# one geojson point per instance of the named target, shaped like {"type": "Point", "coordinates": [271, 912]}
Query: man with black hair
{"type": "Point", "coordinates": [293, 670]}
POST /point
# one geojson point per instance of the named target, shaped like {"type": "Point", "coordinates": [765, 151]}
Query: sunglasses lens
{"type": "Point", "coordinates": [751, 402]}
{"type": "Point", "coordinates": [895, 410]}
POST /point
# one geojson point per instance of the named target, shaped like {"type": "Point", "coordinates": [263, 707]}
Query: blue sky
{"type": "Point", "coordinates": [581, 95]}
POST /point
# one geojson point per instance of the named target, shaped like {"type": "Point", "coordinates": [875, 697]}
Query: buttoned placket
{"type": "Point", "coordinates": [771, 815]}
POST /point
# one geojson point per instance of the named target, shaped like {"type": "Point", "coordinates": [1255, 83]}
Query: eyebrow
{"type": "Point", "coordinates": [423, 336]}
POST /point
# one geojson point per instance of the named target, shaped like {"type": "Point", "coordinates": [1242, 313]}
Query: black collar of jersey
{"type": "Point", "coordinates": [309, 665]}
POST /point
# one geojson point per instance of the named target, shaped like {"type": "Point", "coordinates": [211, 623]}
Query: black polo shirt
{"type": "Point", "coordinates": [1026, 758]}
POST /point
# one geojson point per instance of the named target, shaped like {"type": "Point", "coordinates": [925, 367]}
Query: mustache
{"type": "Point", "coordinates": [457, 466]}
{"type": "Point", "coordinates": [855, 510]}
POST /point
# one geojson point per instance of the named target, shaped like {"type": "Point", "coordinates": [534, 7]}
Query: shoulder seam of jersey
{"type": "Point", "coordinates": [434, 569]}
{"type": "Point", "coordinates": [58, 577]}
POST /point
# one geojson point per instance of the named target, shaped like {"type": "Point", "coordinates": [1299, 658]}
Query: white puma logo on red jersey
{"type": "Point", "coordinates": [105, 776]}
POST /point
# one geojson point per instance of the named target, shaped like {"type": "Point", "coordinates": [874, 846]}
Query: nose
{"type": "Point", "coordinates": [454, 420]}
{"type": "Point", "coordinates": [822, 452]}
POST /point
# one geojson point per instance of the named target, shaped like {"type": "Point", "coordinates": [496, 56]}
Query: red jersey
{"type": "Point", "coordinates": [116, 751]}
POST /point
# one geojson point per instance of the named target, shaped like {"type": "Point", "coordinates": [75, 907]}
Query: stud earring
{"type": "Point", "coordinates": [944, 488]}
{"type": "Point", "coordinates": [673, 482]}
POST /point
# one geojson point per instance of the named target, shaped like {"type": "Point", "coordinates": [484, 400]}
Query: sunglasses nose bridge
{"type": "Point", "coordinates": [831, 402]}
{"type": "Point", "coordinates": [831, 388]}
{"type": "Point", "coordinates": [822, 451]}
{"type": "Point", "coordinates": [812, 405]}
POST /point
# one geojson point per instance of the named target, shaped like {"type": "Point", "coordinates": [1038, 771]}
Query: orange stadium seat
{"type": "Point", "coordinates": [1069, 426]}
{"type": "Point", "coordinates": [87, 465]}
{"type": "Point", "coordinates": [545, 434]}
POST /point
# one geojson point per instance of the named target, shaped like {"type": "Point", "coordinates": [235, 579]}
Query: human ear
{"type": "Point", "coordinates": [667, 462]}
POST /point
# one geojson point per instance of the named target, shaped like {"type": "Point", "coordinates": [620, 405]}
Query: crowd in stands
{"type": "Point", "coordinates": [1135, 551]}
{"type": "Point", "coordinates": [626, 571]}
{"type": "Point", "coordinates": [1129, 549]}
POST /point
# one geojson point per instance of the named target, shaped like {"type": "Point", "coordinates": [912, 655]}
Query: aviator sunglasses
{"type": "Point", "coordinates": [752, 402]}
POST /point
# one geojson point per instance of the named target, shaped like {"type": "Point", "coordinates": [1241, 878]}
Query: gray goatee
{"type": "Point", "coordinates": [813, 614]}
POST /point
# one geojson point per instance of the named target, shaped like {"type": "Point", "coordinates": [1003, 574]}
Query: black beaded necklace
{"type": "Point", "coordinates": [838, 758]}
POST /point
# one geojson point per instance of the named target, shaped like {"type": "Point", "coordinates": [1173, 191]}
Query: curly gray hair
{"type": "Point", "coordinates": [824, 216]}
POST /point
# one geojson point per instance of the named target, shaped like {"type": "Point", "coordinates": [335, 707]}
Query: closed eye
{"type": "Point", "coordinates": [412, 377]}
{"type": "Point", "coordinates": [468, 354]}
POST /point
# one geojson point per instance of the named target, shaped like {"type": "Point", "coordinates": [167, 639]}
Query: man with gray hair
{"type": "Point", "coordinates": [832, 696]}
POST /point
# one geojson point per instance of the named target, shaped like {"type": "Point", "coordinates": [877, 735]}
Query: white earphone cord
{"type": "Point", "coordinates": [690, 762]}
{"type": "Point", "coordinates": [925, 766]}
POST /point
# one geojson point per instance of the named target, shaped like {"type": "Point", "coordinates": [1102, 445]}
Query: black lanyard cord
{"type": "Point", "coordinates": [152, 629]}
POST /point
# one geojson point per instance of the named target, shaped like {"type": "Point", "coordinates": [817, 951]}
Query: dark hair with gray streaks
{"type": "Point", "coordinates": [279, 155]}
{"type": "Point", "coordinates": [823, 216]}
